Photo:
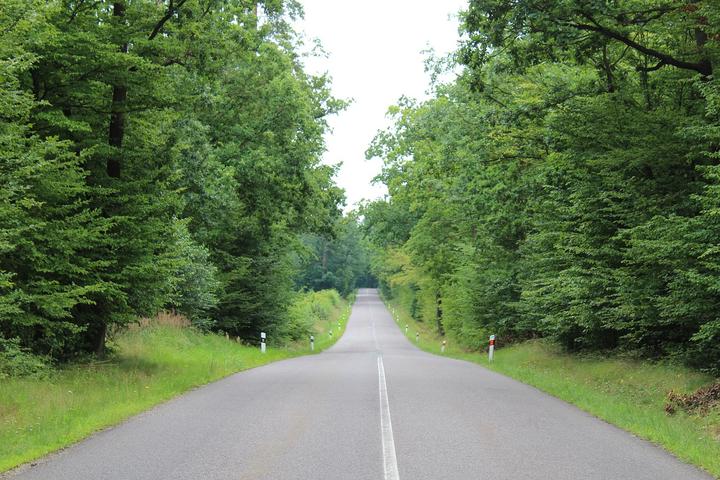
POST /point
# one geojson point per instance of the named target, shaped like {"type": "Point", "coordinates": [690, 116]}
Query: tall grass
{"type": "Point", "coordinates": [625, 392]}
{"type": "Point", "coordinates": [155, 361]}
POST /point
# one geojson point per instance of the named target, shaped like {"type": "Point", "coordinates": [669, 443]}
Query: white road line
{"type": "Point", "coordinates": [390, 466]}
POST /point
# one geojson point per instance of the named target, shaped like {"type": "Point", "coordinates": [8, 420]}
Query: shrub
{"type": "Point", "coordinates": [308, 309]}
{"type": "Point", "coordinates": [17, 361]}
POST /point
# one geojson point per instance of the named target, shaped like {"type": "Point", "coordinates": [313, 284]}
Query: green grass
{"type": "Point", "coordinates": [152, 365]}
{"type": "Point", "coordinates": [628, 393]}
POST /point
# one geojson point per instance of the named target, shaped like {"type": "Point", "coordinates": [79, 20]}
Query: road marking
{"type": "Point", "coordinates": [390, 466]}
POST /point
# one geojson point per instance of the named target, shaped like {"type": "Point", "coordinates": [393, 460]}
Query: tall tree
{"type": "Point", "coordinates": [563, 184]}
{"type": "Point", "coordinates": [195, 137]}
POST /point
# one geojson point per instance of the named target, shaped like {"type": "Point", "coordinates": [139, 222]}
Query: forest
{"type": "Point", "coordinates": [562, 181]}
{"type": "Point", "coordinates": [161, 156]}
{"type": "Point", "coordinates": [564, 184]}
{"type": "Point", "coordinates": [172, 222]}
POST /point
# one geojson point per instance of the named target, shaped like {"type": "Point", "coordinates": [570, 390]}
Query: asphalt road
{"type": "Point", "coordinates": [371, 407]}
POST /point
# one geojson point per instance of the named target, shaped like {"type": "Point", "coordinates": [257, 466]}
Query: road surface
{"type": "Point", "coordinates": [372, 407]}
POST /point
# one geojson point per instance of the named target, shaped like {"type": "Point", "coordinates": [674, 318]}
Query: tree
{"type": "Point", "coordinates": [340, 262]}
{"type": "Point", "coordinates": [186, 140]}
{"type": "Point", "coordinates": [563, 184]}
{"type": "Point", "coordinates": [48, 230]}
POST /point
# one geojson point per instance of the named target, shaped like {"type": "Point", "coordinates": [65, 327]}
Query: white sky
{"type": "Point", "coordinates": [375, 57]}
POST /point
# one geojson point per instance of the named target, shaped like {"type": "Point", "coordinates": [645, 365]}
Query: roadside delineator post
{"type": "Point", "coordinates": [442, 348]}
{"type": "Point", "coordinates": [417, 337]}
{"type": "Point", "coordinates": [262, 342]}
{"type": "Point", "coordinates": [491, 348]}
{"type": "Point", "coordinates": [312, 343]}
{"type": "Point", "coordinates": [406, 328]}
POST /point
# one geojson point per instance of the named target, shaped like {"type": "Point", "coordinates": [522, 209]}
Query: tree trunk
{"type": "Point", "coordinates": [99, 346]}
{"type": "Point", "coordinates": [700, 40]}
{"type": "Point", "coordinates": [608, 69]}
{"type": "Point", "coordinates": [116, 131]}
{"type": "Point", "coordinates": [439, 313]}
{"type": "Point", "coordinates": [324, 257]}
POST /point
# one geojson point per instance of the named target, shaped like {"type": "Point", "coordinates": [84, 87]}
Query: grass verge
{"type": "Point", "coordinates": [152, 364]}
{"type": "Point", "coordinates": [627, 393]}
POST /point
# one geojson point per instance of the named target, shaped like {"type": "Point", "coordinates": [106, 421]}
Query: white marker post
{"type": "Point", "coordinates": [262, 342]}
{"type": "Point", "coordinates": [312, 343]}
{"type": "Point", "coordinates": [491, 349]}
{"type": "Point", "coordinates": [417, 337]}
{"type": "Point", "coordinates": [442, 348]}
{"type": "Point", "coordinates": [406, 328]}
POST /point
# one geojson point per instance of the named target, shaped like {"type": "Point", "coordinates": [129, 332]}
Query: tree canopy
{"type": "Point", "coordinates": [339, 261]}
{"type": "Point", "coordinates": [155, 154]}
{"type": "Point", "coordinates": [565, 183]}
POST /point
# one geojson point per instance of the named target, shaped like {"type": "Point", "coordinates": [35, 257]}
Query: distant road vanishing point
{"type": "Point", "coordinates": [371, 407]}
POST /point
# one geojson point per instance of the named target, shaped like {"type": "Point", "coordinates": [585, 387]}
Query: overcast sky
{"type": "Point", "coordinates": [375, 56]}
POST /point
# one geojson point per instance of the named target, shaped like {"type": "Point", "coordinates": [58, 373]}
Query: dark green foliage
{"type": "Point", "coordinates": [565, 184]}
{"type": "Point", "coordinates": [48, 229]}
{"type": "Point", "coordinates": [339, 263]}
{"type": "Point", "coordinates": [155, 155]}
{"type": "Point", "coordinates": [197, 286]}
{"type": "Point", "coordinates": [18, 361]}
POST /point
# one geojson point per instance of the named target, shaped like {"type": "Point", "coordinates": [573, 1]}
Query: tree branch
{"type": "Point", "coordinates": [659, 65]}
{"type": "Point", "coordinates": [643, 17]}
{"type": "Point", "coordinates": [80, 7]}
{"type": "Point", "coordinates": [703, 67]}
{"type": "Point", "coordinates": [172, 10]}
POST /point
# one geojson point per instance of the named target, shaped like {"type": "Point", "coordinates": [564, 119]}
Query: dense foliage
{"type": "Point", "coordinates": [566, 183]}
{"type": "Point", "coordinates": [154, 154]}
{"type": "Point", "coordinates": [314, 313]}
{"type": "Point", "coordinates": [340, 261]}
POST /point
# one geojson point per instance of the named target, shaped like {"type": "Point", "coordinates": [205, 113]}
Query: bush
{"type": "Point", "coordinates": [308, 309]}
{"type": "Point", "coordinates": [17, 361]}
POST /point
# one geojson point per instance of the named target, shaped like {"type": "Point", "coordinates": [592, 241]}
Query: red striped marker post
{"type": "Point", "coordinates": [491, 349]}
